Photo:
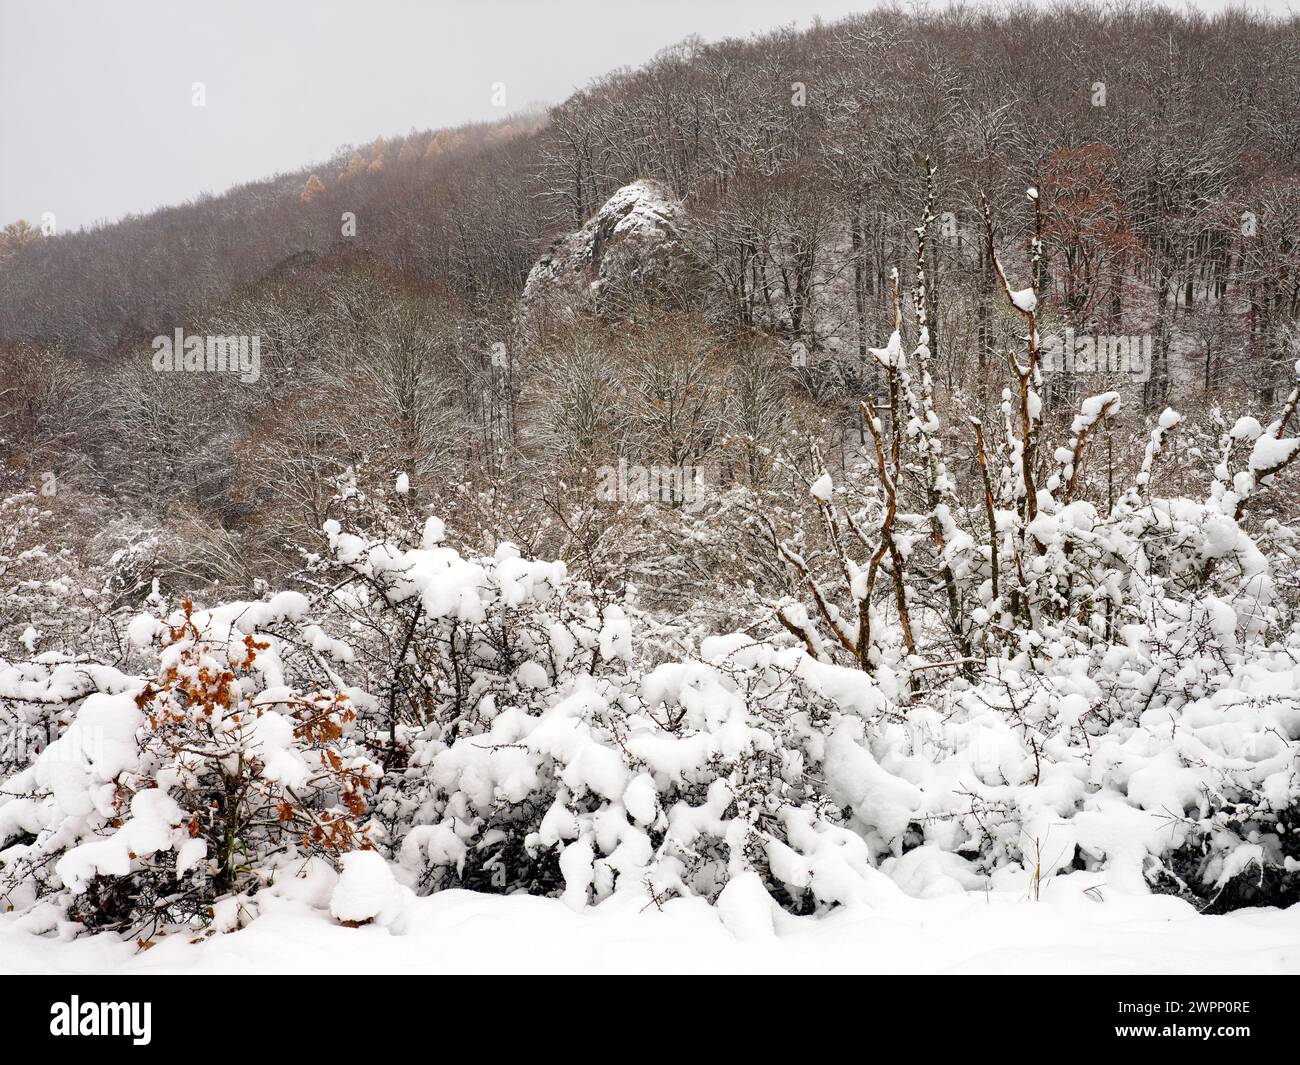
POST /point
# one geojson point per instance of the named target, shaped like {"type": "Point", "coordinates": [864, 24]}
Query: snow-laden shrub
{"type": "Point", "coordinates": [1222, 775]}
{"type": "Point", "coordinates": [159, 800]}
{"type": "Point", "coordinates": [478, 721]}
{"type": "Point", "coordinates": [445, 644]}
{"type": "Point", "coordinates": [762, 759]}
{"type": "Point", "coordinates": [1115, 759]}
{"type": "Point", "coordinates": [673, 784]}
{"type": "Point", "coordinates": [525, 752]}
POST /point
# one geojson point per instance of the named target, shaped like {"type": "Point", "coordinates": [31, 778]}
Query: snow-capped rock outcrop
{"type": "Point", "coordinates": [637, 244]}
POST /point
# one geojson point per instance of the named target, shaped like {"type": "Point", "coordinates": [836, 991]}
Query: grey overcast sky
{"type": "Point", "coordinates": [96, 119]}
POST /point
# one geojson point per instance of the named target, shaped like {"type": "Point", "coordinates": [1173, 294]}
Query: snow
{"type": "Point", "coordinates": [746, 909]}
{"type": "Point", "coordinates": [1025, 300]}
{"type": "Point", "coordinates": [821, 488]}
{"type": "Point", "coordinates": [891, 355]}
{"type": "Point", "coordinates": [273, 739]}
{"type": "Point", "coordinates": [1246, 428]}
{"type": "Point", "coordinates": [1270, 452]}
{"type": "Point", "coordinates": [576, 864]}
{"type": "Point", "coordinates": [148, 830]}
{"type": "Point", "coordinates": [641, 799]}
{"type": "Point", "coordinates": [435, 532]}
{"type": "Point", "coordinates": [367, 891]}
{"type": "Point", "coordinates": [1091, 410]}
{"type": "Point", "coordinates": [98, 745]}
{"type": "Point", "coordinates": [1079, 925]}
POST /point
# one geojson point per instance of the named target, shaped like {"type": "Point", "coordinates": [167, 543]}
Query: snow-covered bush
{"type": "Point", "coordinates": [525, 751]}
{"type": "Point", "coordinates": [158, 800]}
{"type": "Point", "coordinates": [447, 644]}
{"type": "Point", "coordinates": [673, 784]}
{"type": "Point", "coordinates": [1067, 636]}
{"type": "Point", "coordinates": [482, 723]}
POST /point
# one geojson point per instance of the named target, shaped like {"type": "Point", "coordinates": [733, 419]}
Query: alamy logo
{"type": "Point", "coordinates": [208, 354]}
{"type": "Point", "coordinates": [629, 483]}
{"type": "Point", "coordinates": [134, 1019]}
{"type": "Point", "coordinates": [25, 742]}
{"type": "Point", "coordinates": [1104, 353]}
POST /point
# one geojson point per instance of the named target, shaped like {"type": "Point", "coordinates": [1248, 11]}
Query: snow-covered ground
{"type": "Point", "coordinates": [1066, 931]}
